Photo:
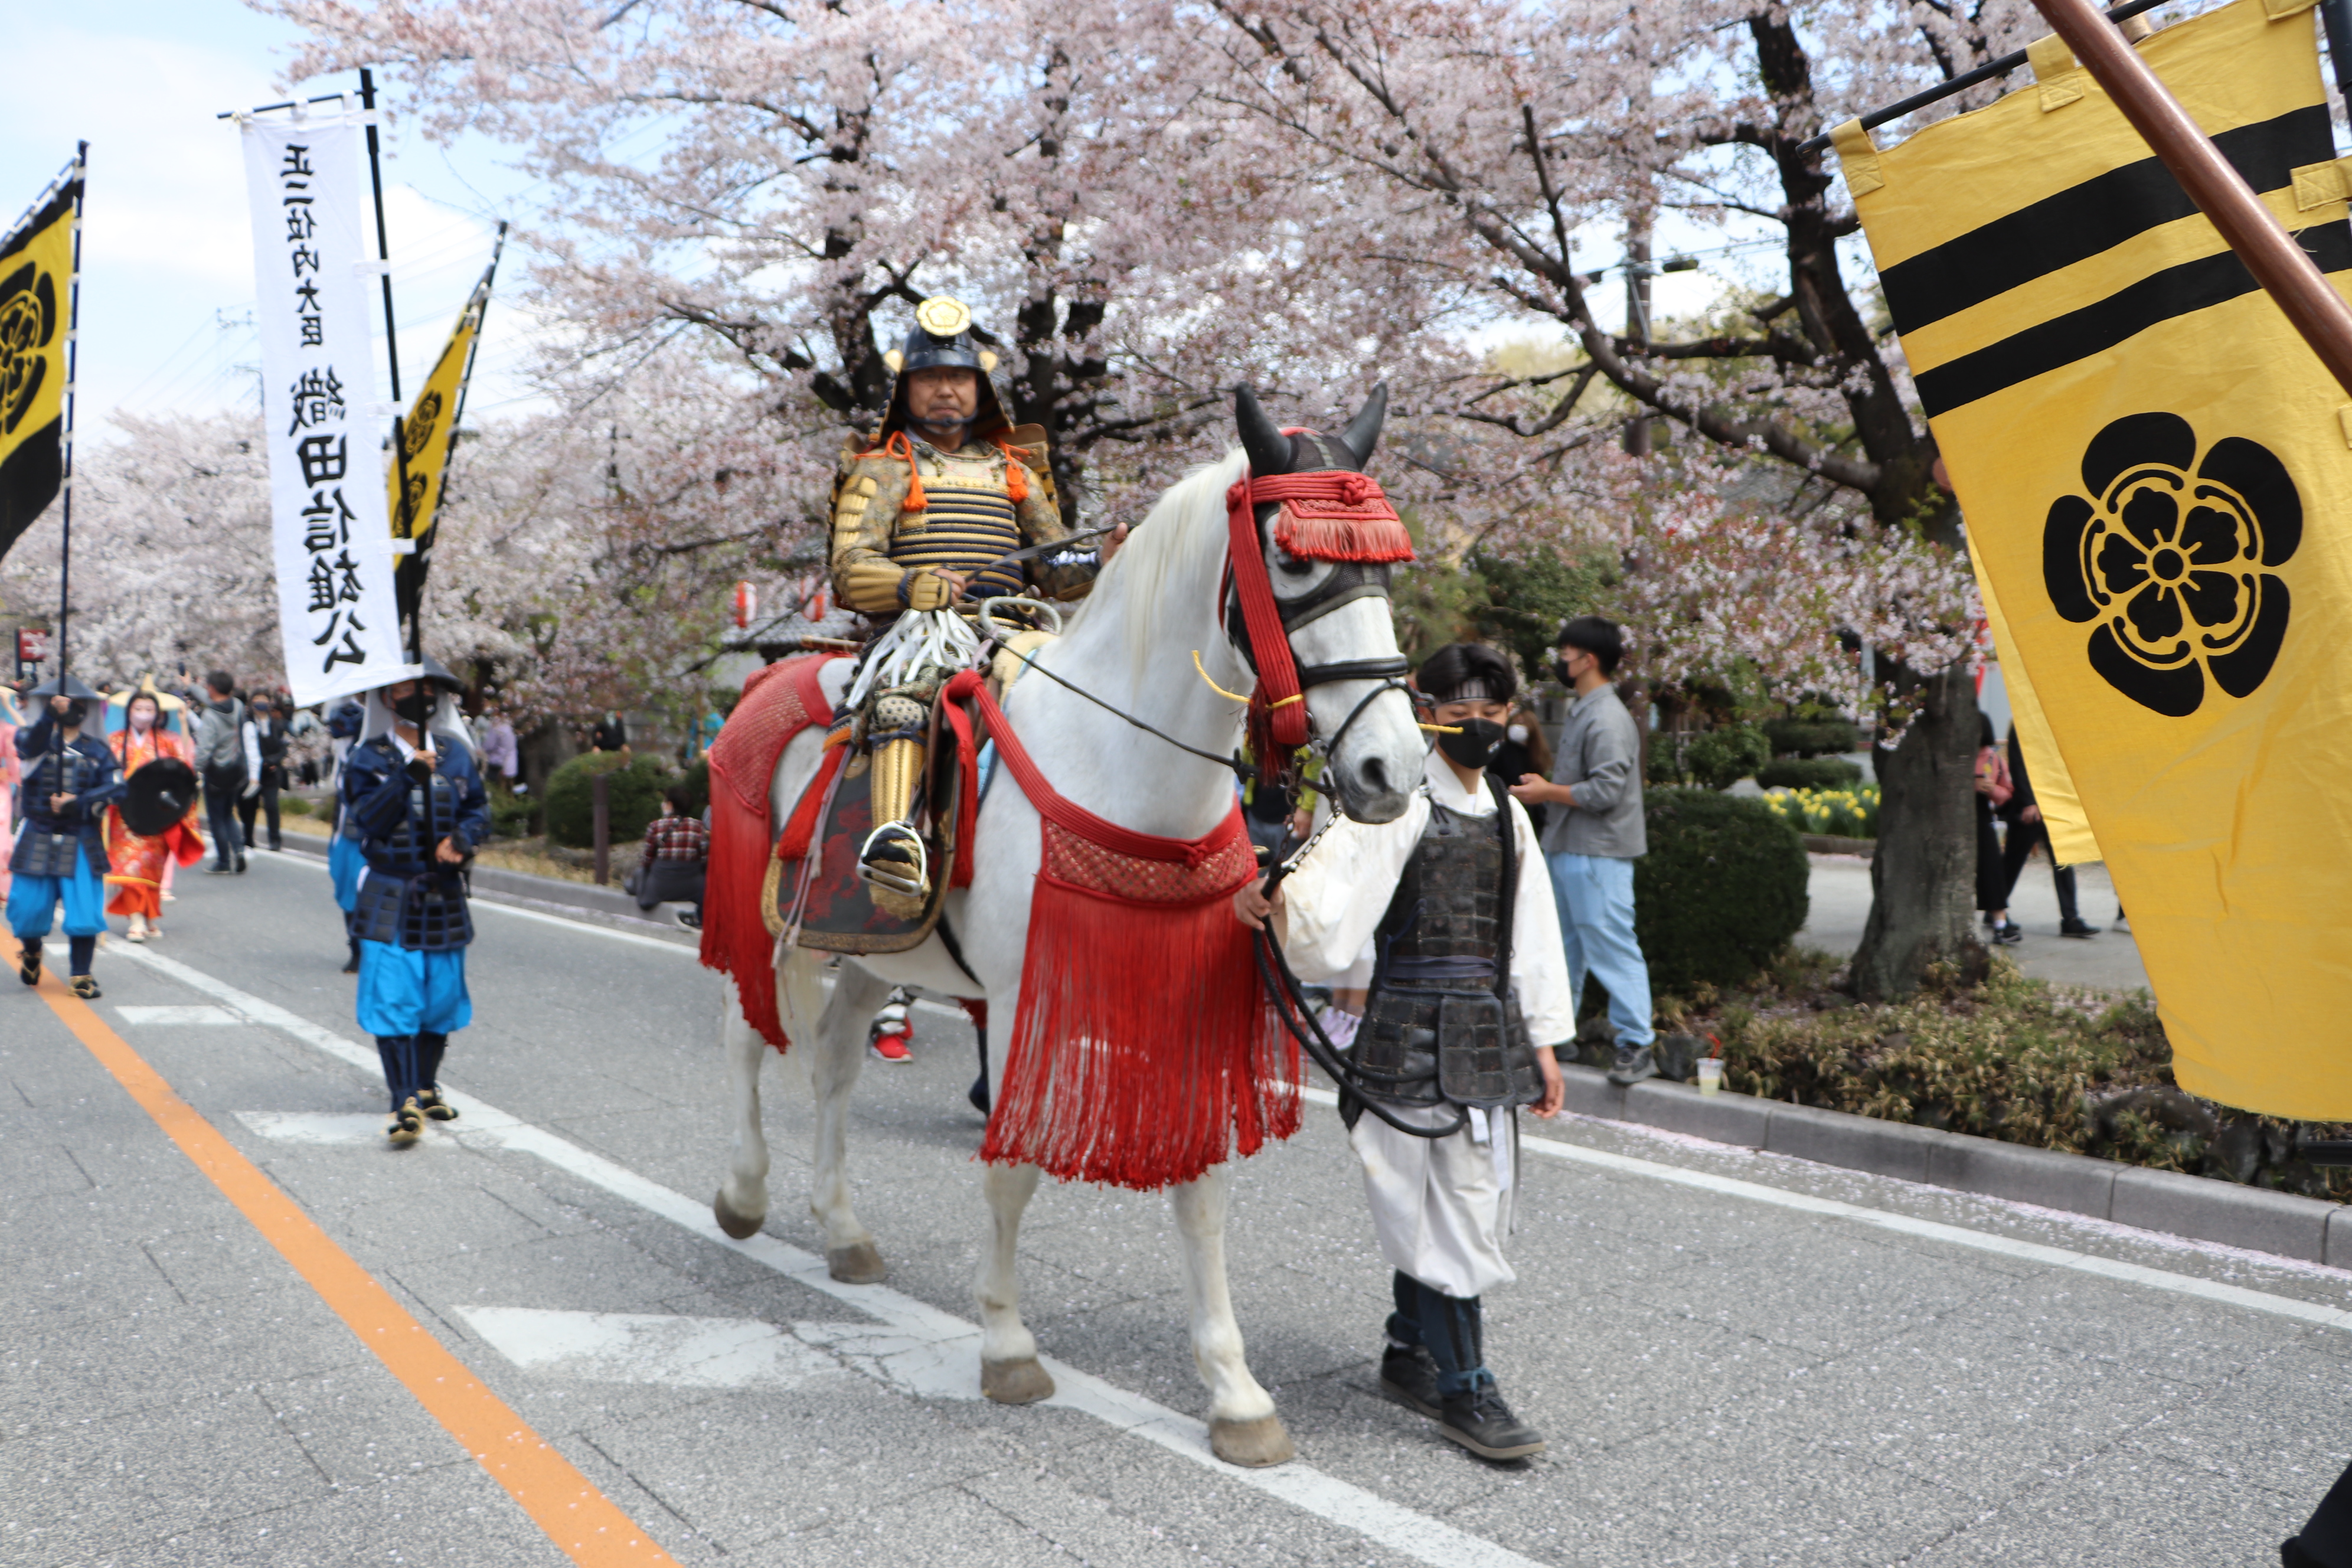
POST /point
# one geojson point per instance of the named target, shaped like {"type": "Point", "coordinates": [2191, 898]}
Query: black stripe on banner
{"type": "Point", "coordinates": [2083, 220]}
{"type": "Point", "coordinates": [2175, 291]}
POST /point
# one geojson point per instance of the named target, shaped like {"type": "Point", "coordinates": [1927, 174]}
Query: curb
{"type": "Point", "coordinates": [1830, 844]}
{"type": "Point", "coordinates": [573, 900]}
{"type": "Point", "coordinates": [2199, 1207]}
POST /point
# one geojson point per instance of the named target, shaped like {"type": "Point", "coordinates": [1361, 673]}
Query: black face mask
{"type": "Point", "coordinates": [1560, 670]}
{"type": "Point", "coordinates": [1475, 746]}
{"type": "Point", "coordinates": [414, 709]}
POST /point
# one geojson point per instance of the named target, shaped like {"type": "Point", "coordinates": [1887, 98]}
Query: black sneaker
{"type": "Point", "coordinates": [1409, 1376]}
{"type": "Point", "coordinates": [1632, 1065]}
{"type": "Point", "coordinates": [1482, 1423]}
{"type": "Point", "coordinates": [240, 864]}
{"type": "Point", "coordinates": [2072, 927]}
{"type": "Point", "coordinates": [2010, 935]}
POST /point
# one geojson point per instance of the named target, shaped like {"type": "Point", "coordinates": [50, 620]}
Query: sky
{"type": "Point", "coordinates": [167, 260]}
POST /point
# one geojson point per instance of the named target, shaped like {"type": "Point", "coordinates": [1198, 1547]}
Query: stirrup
{"type": "Point", "coordinates": [885, 874]}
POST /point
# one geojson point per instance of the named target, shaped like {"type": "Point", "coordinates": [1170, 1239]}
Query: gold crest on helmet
{"type": "Point", "coordinates": [942, 317]}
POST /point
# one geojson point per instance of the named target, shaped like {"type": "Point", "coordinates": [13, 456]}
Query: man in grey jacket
{"type": "Point", "coordinates": [230, 760]}
{"type": "Point", "coordinates": [1591, 841]}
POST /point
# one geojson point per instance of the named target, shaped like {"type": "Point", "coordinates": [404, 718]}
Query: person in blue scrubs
{"type": "Point", "coordinates": [69, 779]}
{"type": "Point", "coordinates": [415, 805]}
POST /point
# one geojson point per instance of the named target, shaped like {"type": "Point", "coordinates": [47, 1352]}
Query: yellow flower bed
{"type": "Point", "coordinates": [1840, 813]}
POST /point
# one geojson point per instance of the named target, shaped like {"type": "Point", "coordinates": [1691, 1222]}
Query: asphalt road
{"type": "Point", "coordinates": [1740, 1358]}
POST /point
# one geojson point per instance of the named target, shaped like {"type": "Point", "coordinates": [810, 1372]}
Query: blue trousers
{"type": "Point", "coordinates": [1595, 894]}
{"type": "Point", "coordinates": [404, 992]}
{"type": "Point", "coordinates": [33, 901]}
{"type": "Point", "coordinates": [344, 863]}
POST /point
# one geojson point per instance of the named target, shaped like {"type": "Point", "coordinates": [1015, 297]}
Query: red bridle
{"type": "Point", "coordinates": [1328, 516]}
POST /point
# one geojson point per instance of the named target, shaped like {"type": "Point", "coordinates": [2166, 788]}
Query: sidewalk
{"type": "Point", "coordinates": [1840, 887]}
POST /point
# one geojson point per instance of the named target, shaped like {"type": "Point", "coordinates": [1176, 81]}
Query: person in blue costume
{"type": "Point", "coordinates": [344, 861]}
{"type": "Point", "coordinates": [69, 780]}
{"type": "Point", "coordinates": [415, 805]}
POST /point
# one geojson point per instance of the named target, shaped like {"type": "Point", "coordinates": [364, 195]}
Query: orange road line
{"type": "Point", "coordinates": [586, 1524]}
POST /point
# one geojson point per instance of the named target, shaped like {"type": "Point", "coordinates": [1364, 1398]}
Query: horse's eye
{"type": "Point", "coordinates": [1292, 563]}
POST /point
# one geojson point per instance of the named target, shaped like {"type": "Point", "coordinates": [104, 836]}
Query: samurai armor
{"type": "Point", "coordinates": [40, 854]}
{"type": "Point", "coordinates": [1438, 1029]}
{"type": "Point", "coordinates": [425, 912]}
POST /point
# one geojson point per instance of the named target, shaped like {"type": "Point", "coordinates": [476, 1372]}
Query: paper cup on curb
{"type": "Point", "coordinates": [1710, 1075]}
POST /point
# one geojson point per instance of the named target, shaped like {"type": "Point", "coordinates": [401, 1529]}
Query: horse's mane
{"type": "Point", "coordinates": [1180, 540]}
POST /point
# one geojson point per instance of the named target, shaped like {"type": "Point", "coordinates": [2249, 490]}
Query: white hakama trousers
{"type": "Point", "coordinates": [1441, 1207]}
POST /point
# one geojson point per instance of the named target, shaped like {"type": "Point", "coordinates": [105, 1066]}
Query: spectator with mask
{"type": "Point", "coordinates": [267, 738]}
{"type": "Point", "coordinates": [1522, 752]}
{"type": "Point", "coordinates": [1592, 844]}
{"type": "Point", "coordinates": [228, 760]}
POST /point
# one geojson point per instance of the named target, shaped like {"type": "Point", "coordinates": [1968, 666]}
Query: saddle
{"type": "Point", "coordinates": [812, 886]}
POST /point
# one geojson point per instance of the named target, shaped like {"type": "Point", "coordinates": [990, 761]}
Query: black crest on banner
{"type": "Point", "coordinates": [2170, 554]}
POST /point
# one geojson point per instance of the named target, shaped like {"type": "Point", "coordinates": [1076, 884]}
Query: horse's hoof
{"type": "Point", "coordinates": [1015, 1382]}
{"type": "Point", "coordinates": [1252, 1444]}
{"type": "Point", "coordinates": [742, 1227]}
{"type": "Point", "coordinates": [857, 1264]}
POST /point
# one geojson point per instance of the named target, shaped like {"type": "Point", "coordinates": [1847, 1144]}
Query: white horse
{"type": "Point", "coordinates": [1131, 647]}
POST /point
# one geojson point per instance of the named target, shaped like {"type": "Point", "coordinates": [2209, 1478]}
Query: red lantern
{"type": "Point", "coordinates": [747, 605]}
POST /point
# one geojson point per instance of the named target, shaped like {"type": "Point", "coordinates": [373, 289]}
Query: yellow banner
{"type": "Point", "coordinates": [426, 434]}
{"type": "Point", "coordinates": [2154, 469]}
{"type": "Point", "coordinates": [37, 269]}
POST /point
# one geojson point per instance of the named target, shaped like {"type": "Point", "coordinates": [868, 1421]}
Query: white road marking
{"type": "Point", "coordinates": [691, 951]}
{"type": "Point", "coordinates": [640, 1347]}
{"type": "Point", "coordinates": [196, 1014]}
{"type": "Point", "coordinates": [322, 1126]}
{"type": "Point", "coordinates": [1959, 1235]}
{"type": "Point", "coordinates": [920, 1348]}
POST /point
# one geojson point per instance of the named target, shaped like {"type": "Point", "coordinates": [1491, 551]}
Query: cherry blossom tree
{"type": "Point", "coordinates": [1486, 139]}
{"type": "Point", "coordinates": [172, 564]}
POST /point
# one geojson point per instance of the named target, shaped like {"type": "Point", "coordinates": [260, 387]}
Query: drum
{"type": "Point", "coordinates": [158, 795]}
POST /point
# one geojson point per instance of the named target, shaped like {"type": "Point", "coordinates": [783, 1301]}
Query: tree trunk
{"type": "Point", "coordinates": [1923, 875]}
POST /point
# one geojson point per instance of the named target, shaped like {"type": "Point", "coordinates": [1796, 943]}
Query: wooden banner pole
{"type": "Point", "coordinates": [2285, 273]}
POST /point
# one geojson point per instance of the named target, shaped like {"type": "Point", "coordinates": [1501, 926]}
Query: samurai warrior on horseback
{"type": "Point", "coordinates": [947, 506]}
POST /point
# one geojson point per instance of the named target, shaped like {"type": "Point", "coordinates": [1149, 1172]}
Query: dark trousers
{"type": "Point", "coordinates": [1992, 887]}
{"type": "Point", "coordinates": [1452, 1329]}
{"type": "Point", "coordinates": [2023, 837]}
{"type": "Point", "coordinates": [250, 805]}
{"type": "Point", "coordinates": [220, 815]}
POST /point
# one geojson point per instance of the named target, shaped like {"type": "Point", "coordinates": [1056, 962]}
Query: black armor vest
{"type": "Point", "coordinates": [1442, 1025]}
{"type": "Point", "coordinates": [426, 910]}
{"type": "Point", "coordinates": [45, 844]}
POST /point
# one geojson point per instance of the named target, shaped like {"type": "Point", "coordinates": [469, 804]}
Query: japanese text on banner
{"type": "Point", "coordinates": [312, 309]}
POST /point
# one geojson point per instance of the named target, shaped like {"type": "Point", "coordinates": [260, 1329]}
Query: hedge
{"type": "Point", "coordinates": [633, 799]}
{"type": "Point", "coordinates": [1808, 773]}
{"type": "Point", "coordinates": [1721, 891]}
{"type": "Point", "coordinates": [1811, 737]}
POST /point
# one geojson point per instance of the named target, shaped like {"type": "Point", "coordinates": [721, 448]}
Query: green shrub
{"type": "Point", "coordinates": [1721, 890]}
{"type": "Point", "coordinates": [1721, 757]}
{"type": "Point", "coordinates": [510, 815]}
{"type": "Point", "coordinates": [1840, 812]}
{"type": "Point", "coordinates": [633, 800]}
{"type": "Point", "coordinates": [1811, 737]}
{"type": "Point", "coordinates": [697, 780]}
{"type": "Point", "coordinates": [1809, 773]}
{"type": "Point", "coordinates": [293, 804]}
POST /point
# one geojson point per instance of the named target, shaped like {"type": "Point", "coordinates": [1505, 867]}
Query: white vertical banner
{"type": "Point", "coordinates": [313, 306]}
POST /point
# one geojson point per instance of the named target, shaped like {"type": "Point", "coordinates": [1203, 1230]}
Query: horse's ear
{"type": "Point", "coordinates": [1262, 438]}
{"type": "Point", "coordinates": [1363, 432]}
